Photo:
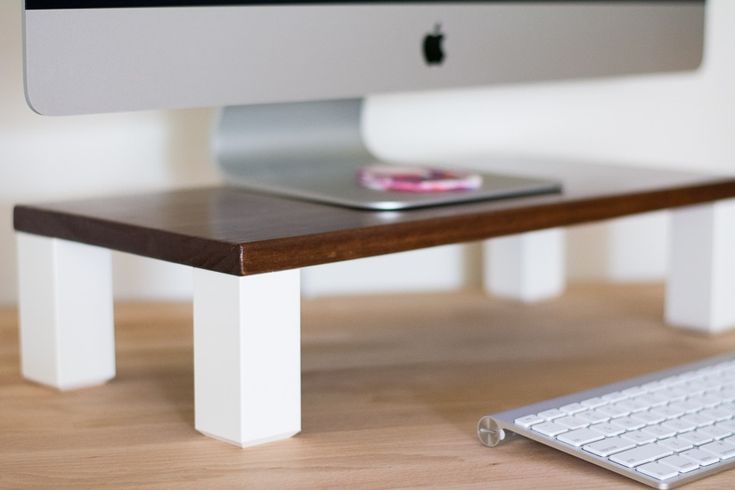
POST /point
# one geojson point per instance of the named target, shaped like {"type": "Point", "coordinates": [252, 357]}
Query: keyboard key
{"type": "Point", "coordinates": [727, 425]}
{"type": "Point", "coordinates": [652, 399]}
{"type": "Point", "coordinates": [659, 431]}
{"type": "Point", "coordinates": [641, 454]}
{"type": "Point", "coordinates": [580, 437]}
{"type": "Point", "coordinates": [708, 400]}
{"type": "Point", "coordinates": [715, 414]}
{"type": "Point", "coordinates": [696, 419]}
{"type": "Point", "coordinates": [529, 420]}
{"type": "Point", "coordinates": [715, 431]}
{"type": "Point", "coordinates": [634, 391]}
{"type": "Point", "coordinates": [658, 471]}
{"type": "Point", "coordinates": [680, 464]}
{"type": "Point", "coordinates": [648, 417]}
{"type": "Point", "coordinates": [551, 414]}
{"type": "Point", "coordinates": [663, 414]}
{"type": "Point", "coordinates": [686, 406]}
{"type": "Point", "coordinates": [549, 429]}
{"type": "Point", "coordinates": [632, 405]}
{"type": "Point", "coordinates": [673, 380]}
{"type": "Point", "coordinates": [608, 446]}
{"type": "Point", "coordinates": [668, 411]}
{"type": "Point", "coordinates": [676, 443]}
{"type": "Point", "coordinates": [721, 449]}
{"type": "Point", "coordinates": [689, 376]}
{"type": "Point", "coordinates": [572, 408]}
{"type": "Point", "coordinates": [639, 437]}
{"type": "Point", "coordinates": [615, 396]}
{"type": "Point", "coordinates": [627, 423]}
{"type": "Point", "coordinates": [607, 429]}
{"type": "Point", "coordinates": [694, 388]}
{"type": "Point", "coordinates": [698, 385]}
{"type": "Point", "coordinates": [654, 386]}
{"type": "Point", "coordinates": [592, 416]}
{"type": "Point", "coordinates": [703, 458]}
{"type": "Point", "coordinates": [596, 402]}
{"type": "Point", "coordinates": [571, 422]}
{"type": "Point", "coordinates": [711, 383]}
{"type": "Point", "coordinates": [674, 393]}
{"type": "Point", "coordinates": [678, 425]}
{"type": "Point", "coordinates": [613, 410]}
{"type": "Point", "coordinates": [696, 437]}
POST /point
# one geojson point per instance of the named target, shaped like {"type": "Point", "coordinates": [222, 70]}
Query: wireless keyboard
{"type": "Point", "coordinates": [663, 429]}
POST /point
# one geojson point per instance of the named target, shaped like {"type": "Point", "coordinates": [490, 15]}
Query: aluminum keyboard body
{"type": "Point", "coordinates": [663, 429]}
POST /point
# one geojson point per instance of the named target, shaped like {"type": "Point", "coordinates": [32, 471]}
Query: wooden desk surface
{"type": "Point", "coordinates": [237, 232]}
{"type": "Point", "coordinates": [392, 389]}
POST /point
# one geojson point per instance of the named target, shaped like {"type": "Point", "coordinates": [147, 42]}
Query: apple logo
{"type": "Point", "coordinates": [433, 53]}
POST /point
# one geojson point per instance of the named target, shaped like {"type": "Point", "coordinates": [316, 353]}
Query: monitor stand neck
{"type": "Point", "coordinates": [312, 150]}
{"type": "Point", "coordinates": [309, 150]}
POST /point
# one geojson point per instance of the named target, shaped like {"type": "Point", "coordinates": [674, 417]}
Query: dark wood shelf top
{"type": "Point", "coordinates": [241, 232]}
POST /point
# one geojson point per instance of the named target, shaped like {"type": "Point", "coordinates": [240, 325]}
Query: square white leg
{"type": "Point", "coordinates": [247, 356]}
{"type": "Point", "coordinates": [67, 336]}
{"type": "Point", "coordinates": [700, 292]}
{"type": "Point", "coordinates": [527, 267]}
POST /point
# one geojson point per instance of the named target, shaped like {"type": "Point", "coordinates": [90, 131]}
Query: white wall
{"type": "Point", "coordinates": [684, 120]}
{"type": "Point", "coordinates": [44, 158]}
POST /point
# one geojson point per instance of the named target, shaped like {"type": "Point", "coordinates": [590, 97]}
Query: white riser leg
{"type": "Point", "coordinates": [247, 356]}
{"type": "Point", "coordinates": [528, 267]}
{"type": "Point", "coordinates": [67, 333]}
{"type": "Point", "coordinates": [635, 246]}
{"type": "Point", "coordinates": [700, 293]}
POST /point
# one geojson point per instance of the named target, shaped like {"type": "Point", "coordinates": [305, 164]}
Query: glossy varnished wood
{"type": "Point", "coordinates": [392, 389]}
{"type": "Point", "coordinates": [239, 232]}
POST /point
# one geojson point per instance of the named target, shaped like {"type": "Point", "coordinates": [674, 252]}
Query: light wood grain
{"type": "Point", "coordinates": [392, 389]}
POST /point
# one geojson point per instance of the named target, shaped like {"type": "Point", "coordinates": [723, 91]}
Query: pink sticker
{"type": "Point", "coordinates": [416, 179]}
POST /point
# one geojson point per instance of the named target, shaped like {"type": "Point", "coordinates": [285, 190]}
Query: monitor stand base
{"type": "Point", "coordinates": [312, 150]}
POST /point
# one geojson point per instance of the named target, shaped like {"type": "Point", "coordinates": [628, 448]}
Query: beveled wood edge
{"type": "Point", "coordinates": [274, 255]}
{"type": "Point", "coordinates": [220, 256]}
{"type": "Point", "coordinates": [321, 248]}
